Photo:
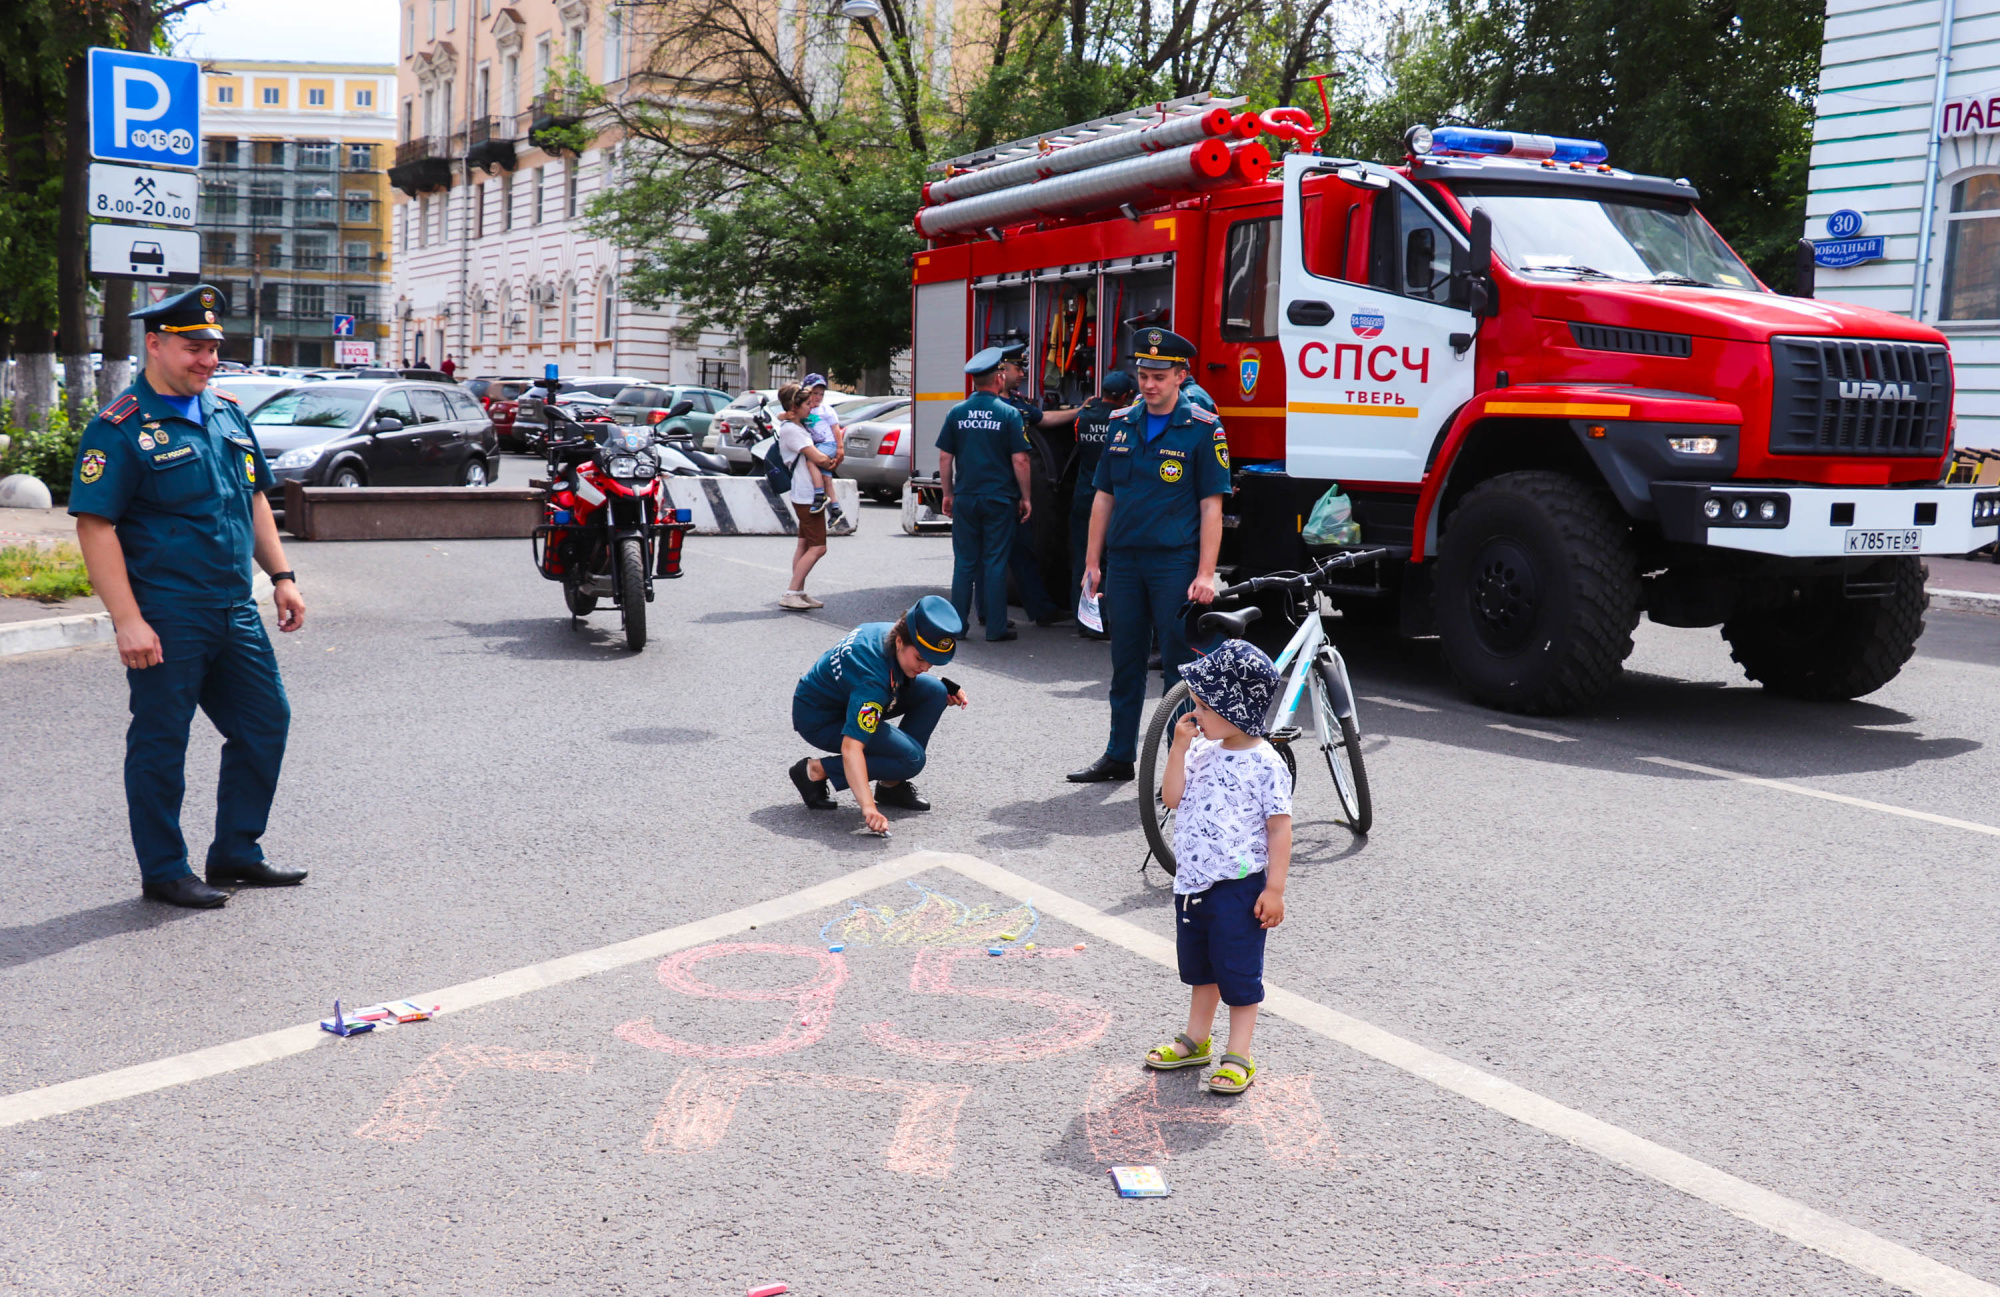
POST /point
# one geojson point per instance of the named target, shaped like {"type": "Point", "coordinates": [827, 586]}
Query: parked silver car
{"type": "Point", "coordinates": [879, 449]}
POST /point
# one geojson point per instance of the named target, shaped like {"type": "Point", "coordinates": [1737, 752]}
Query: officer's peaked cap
{"type": "Point", "coordinates": [935, 627]}
{"type": "Point", "coordinates": [985, 362]}
{"type": "Point", "coordinates": [1161, 349]}
{"type": "Point", "coordinates": [194, 314]}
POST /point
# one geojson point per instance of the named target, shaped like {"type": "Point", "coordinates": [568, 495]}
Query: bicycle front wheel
{"type": "Point", "coordinates": [1340, 740]}
{"type": "Point", "coordinates": [1154, 816]}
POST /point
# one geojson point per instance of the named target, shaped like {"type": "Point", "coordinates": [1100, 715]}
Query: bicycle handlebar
{"type": "Point", "coordinates": [1303, 580]}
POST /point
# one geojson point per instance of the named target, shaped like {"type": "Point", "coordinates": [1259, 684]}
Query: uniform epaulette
{"type": "Point", "coordinates": [1119, 414]}
{"type": "Point", "coordinates": [121, 409]}
{"type": "Point", "coordinates": [226, 395]}
{"type": "Point", "coordinates": [1203, 413]}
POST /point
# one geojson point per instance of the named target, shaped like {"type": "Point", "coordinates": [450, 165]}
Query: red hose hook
{"type": "Point", "coordinates": [1296, 124]}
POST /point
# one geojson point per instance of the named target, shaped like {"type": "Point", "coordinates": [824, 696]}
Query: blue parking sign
{"type": "Point", "coordinates": [145, 109]}
{"type": "Point", "coordinates": [343, 326]}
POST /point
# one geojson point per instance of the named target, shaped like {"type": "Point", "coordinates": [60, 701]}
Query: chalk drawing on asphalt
{"type": "Point", "coordinates": [935, 920]}
{"type": "Point", "coordinates": [1124, 1117]}
{"type": "Point", "coordinates": [1077, 1025]}
{"type": "Point", "coordinates": [416, 1105]}
{"type": "Point", "coordinates": [812, 1000]}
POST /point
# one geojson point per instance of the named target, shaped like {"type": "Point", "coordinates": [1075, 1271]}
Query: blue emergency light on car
{"type": "Point", "coordinates": [1467, 141]}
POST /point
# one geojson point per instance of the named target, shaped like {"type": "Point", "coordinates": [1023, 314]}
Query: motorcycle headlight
{"type": "Point", "coordinates": [643, 466]}
{"type": "Point", "coordinates": [624, 466]}
{"type": "Point", "coordinates": [299, 457]}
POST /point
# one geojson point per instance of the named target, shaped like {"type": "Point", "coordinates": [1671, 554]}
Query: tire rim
{"type": "Point", "coordinates": [1505, 595]}
{"type": "Point", "coordinates": [346, 478]}
{"type": "Point", "coordinates": [475, 474]}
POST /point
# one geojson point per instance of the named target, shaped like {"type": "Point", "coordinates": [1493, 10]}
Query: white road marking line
{"type": "Point", "coordinates": [1970, 826]}
{"type": "Point", "coordinates": [1891, 1262]}
{"type": "Point", "coordinates": [1544, 735]}
{"type": "Point", "coordinates": [144, 1078]}
{"type": "Point", "coordinates": [1396, 702]}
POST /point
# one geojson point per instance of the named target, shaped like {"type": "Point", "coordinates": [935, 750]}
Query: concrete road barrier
{"type": "Point", "coordinates": [411, 512]}
{"type": "Point", "coordinates": [747, 506]}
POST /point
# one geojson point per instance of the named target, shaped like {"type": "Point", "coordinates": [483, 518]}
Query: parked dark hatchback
{"type": "Point", "coordinates": [369, 433]}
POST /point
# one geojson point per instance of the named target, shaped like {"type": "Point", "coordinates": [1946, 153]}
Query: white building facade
{"type": "Point", "coordinates": [493, 264]}
{"type": "Point", "coordinates": [1906, 151]}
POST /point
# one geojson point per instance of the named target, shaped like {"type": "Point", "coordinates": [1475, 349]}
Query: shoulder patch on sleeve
{"type": "Point", "coordinates": [1119, 414]}
{"type": "Point", "coordinates": [121, 409]}
{"type": "Point", "coordinates": [226, 395]}
{"type": "Point", "coordinates": [1204, 414]}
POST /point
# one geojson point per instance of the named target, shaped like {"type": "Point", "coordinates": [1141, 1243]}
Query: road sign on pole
{"type": "Point", "coordinates": [142, 194]}
{"type": "Point", "coordinates": [343, 326]}
{"type": "Point", "coordinates": [141, 252]}
{"type": "Point", "coordinates": [145, 109]}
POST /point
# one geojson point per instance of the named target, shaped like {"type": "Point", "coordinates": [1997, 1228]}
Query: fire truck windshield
{"type": "Point", "coordinates": [1608, 236]}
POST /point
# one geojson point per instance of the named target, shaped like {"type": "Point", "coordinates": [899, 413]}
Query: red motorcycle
{"type": "Point", "coordinates": [608, 528]}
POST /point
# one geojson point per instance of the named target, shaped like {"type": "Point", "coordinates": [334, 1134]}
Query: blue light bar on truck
{"type": "Point", "coordinates": [1466, 141]}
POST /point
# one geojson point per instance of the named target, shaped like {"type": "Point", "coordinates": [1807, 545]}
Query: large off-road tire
{"type": "Point", "coordinates": [632, 591]}
{"type": "Point", "coordinates": [1536, 592]}
{"type": "Point", "coordinates": [1832, 648]}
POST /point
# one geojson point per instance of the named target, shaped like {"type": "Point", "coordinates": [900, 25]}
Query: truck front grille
{"type": "Point", "coordinates": [1840, 396]}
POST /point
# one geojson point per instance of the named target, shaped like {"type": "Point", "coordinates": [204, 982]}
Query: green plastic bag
{"type": "Point", "coordinates": [1332, 520]}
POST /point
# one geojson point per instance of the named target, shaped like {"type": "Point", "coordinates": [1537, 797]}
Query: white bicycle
{"type": "Point", "coordinates": [1315, 681]}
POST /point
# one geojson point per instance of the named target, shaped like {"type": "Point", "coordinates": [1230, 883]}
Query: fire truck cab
{"type": "Point", "coordinates": [1547, 385]}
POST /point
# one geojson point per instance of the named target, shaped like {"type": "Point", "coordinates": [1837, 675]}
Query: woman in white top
{"type": "Point", "coordinates": [795, 448]}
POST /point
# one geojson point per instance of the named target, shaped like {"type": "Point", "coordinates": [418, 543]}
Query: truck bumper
{"type": "Point", "coordinates": [1828, 521]}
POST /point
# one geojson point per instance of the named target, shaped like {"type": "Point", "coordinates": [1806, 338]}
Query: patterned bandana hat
{"type": "Point", "coordinates": [1237, 681]}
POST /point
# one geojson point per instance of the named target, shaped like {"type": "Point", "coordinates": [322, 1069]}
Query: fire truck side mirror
{"type": "Point", "coordinates": [1807, 270]}
{"type": "Point", "coordinates": [1362, 178]}
{"type": "Point", "coordinates": [1480, 297]}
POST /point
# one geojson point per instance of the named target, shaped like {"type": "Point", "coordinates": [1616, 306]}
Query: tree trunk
{"type": "Point", "coordinates": [34, 389]}
{"type": "Point", "coordinates": [116, 375]}
{"type": "Point", "coordinates": [72, 243]}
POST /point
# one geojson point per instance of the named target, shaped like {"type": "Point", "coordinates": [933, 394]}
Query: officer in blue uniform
{"type": "Point", "coordinates": [1158, 516]}
{"type": "Point", "coordinates": [1093, 430]}
{"type": "Point", "coordinates": [1022, 560]}
{"type": "Point", "coordinates": [170, 510]}
{"type": "Point", "coordinates": [842, 704]}
{"type": "Point", "coordinates": [983, 464]}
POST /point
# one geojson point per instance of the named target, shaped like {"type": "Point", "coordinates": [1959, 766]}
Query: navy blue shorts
{"type": "Point", "coordinates": [1218, 939]}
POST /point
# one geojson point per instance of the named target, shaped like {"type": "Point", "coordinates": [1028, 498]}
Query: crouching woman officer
{"type": "Point", "coordinates": [170, 511]}
{"type": "Point", "coordinates": [840, 706]}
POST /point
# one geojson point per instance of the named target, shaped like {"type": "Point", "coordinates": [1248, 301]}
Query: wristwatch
{"type": "Point", "coordinates": [286, 575]}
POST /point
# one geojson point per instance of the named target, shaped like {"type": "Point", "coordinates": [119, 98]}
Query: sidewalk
{"type": "Point", "coordinates": [35, 526]}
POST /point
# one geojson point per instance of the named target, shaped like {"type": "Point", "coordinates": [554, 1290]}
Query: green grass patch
{"type": "Point", "coordinates": [50, 574]}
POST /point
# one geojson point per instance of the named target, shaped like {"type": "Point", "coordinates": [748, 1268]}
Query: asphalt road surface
{"type": "Point", "coordinates": [1574, 1018]}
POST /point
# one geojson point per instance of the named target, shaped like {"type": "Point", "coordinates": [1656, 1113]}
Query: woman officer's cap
{"type": "Point", "coordinates": [935, 626]}
{"type": "Point", "coordinates": [193, 314]}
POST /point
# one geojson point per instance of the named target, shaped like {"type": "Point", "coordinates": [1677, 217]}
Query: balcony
{"type": "Point", "coordinates": [549, 116]}
{"type": "Point", "coordinates": [422, 164]}
{"type": "Point", "coordinates": [490, 143]}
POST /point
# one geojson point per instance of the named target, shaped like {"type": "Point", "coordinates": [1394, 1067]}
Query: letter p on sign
{"type": "Point", "coordinates": [144, 109]}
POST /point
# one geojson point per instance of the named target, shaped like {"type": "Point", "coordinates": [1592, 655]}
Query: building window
{"type": "Point", "coordinates": [222, 152]}
{"type": "Point", "coordinates": [569, 188]}
{"type": "Point", "coordinates": [272, 95]}
{"type": "Point", "coordinates": [356, 259]}
{"type": "Point", "coordinates": [219, 201]}
{"type": "Point", "coordinates": [361, 157]}
{"type": "Point", "coordinates": [309, 252]}
{"type": "Point", "coordinates": [403, 228]}
{"type": "Point", "coordinates": [510, 84]}
{"type": "Point", "coordinates": [357, 303]}
{"type": "Point", "coordinates": [309, 300]}
{"type": "Point", "coordinates": [614, 44]}
{"type": "Point", "coordinates": [571, 322]}
{"type": "Point", "coordinates": [576, 51]}
{"type": "Point", "coordinates": [317, 154]}
{"type": "Point", "coordinates": [534, 313]}
{"type": "Point", "coordinates": [364, 99]}
{"type": "Point", "coordinates": [315, 203]}
{"type": "Point", "coordinates": [272, 153]}
{"type": "Point", "coordinates": [507, 203]}
{"type": "Point", "coordinates": [541, 64]}
{"type": "Point", "coordinates": [608, 309]}
{"type": "Point", "coordinates": [360, 207]}
{"type": "Point", "coordinates": [315, 98]}
{"type": "Point", "coordinates": [409, 31]}
{"type": "Point", "coordinates": [451, 15]}
{"type": "Point", "coordinates": [1972, 251]}
{"type": "Point", "coordinates": [222, 249]}
{"type": "Point", "coordinates": [267, 200]}
{"type": "Point", "coordinates": [479, 210]}
{"type": "Point", "coordinates": [481, 105]}
{"type": "Point", "coordinates": [423, 220]}
{"type": "Point", "coordinates": [409, 130]}
{"type": "Point", "coordinates": [225, 94]}
{"type": "Point", "coordinates": [506, 300]}
{"type": "Point", "coordinates": [535, 197]}
{"type": "Point", "coordinates": [431, 27]}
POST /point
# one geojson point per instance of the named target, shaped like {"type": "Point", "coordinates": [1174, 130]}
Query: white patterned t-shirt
{"type": "Point", "coordinates": [1219, 826]}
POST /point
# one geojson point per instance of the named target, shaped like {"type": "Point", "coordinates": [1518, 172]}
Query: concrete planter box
{"type": "Point", "coordinates": [411, 512]}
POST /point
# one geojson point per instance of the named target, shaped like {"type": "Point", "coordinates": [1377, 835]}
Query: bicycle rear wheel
{"type": "Point", "coordinates": [1343, 755]}
{"type": "Point", "coordinates": [1156, 818]}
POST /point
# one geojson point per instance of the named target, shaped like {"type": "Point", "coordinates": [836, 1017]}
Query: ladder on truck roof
{"type": "Point", "coordinates": [1116, 123]}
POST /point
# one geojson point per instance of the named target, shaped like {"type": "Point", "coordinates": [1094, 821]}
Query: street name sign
{"type": "Point", "coordinates": [142, 194]}
{"type": "Point", "coordinates": [145, 109]}
{"type": "Point", "coordinates": [1835, 253]}
{"type": "Point", "coordinates": [139, 252]}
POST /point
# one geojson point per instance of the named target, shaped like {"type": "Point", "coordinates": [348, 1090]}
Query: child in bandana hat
{"type": "Point", "coordinates": [1232, 798]}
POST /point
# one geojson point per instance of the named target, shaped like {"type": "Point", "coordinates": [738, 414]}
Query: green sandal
{"type": "Point", "coordinates": [1234, 1076]}
{"type": "Point", "coordinates": [1166, 1057]}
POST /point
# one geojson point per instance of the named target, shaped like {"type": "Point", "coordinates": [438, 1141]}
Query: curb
{"type": "Point", "coordinates": [1965, 601]}
{"type": "Point", "coordinates": [83, 629]}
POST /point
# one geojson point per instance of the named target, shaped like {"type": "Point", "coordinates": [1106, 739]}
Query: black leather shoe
{"type": "Point", "coordinates": [817, 798]}
{"type": "Point", "coordinates": [904, 795]}
{"type": "Point", "coordinates": [261, 874]}
{"type": "Point", "coordinates": [1084, 632]}
{"type": "Point", "coordinates": [1052, 619]}
{"type": "Point", "coordinates": [1104, 770]}
{"type": "Point", "coordinates": [188, 892]}
{"type": "Point", "coordinates": [1003, 636]}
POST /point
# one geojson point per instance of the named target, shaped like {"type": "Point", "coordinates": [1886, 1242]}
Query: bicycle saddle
{"type": "Point", "coordinates": [1232, 624]}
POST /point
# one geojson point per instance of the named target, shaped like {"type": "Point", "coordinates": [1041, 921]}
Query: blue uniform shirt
{"type": "Point", "coordinates": [856, 679]}
{"type": "Point", "coordinates": [179, 493]}
{"type": "Point", "coordinates": [1159, 484]}
{"type": "Point", "coordinates": [1093, 431]}
{"type": "Point", "coordinates": [983, 433]}
{"type": "Point", "coordinates": [1195, 392]}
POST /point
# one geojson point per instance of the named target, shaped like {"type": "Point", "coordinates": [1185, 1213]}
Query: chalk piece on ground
{"type": "Point", "coordinates": [1139, 1182]}
{"type": "Point", "coordinates": [769, 1290]}
{"type": "Point", "coordinates": [865, 832]}
{"type": "Point", "coordinates": [1006, 936]}
{"type": "Point", "coordinates": [995, 950]}
{"type": "Point", "coordinates": [1079, 945]}
{"type": "Point", "coordinates": [409, 1011]}
{"type": "Point", "coordinates": [1029, 946]}
{"type": "Point", "coordinates": [836, 949]}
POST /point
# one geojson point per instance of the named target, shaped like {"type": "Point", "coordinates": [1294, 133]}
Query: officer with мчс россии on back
{"type": "Point", "coordinates": [1158, 515]}
{"type": "Point", "coordinates": [983, 464]}
{"type": "Point", "coordinates": [1093, 432]}
{"type": "Point", "coordinates": [169, 501]}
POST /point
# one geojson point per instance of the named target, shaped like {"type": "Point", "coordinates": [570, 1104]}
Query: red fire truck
{"type": "Point", "coordinates": [1546, 384]}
